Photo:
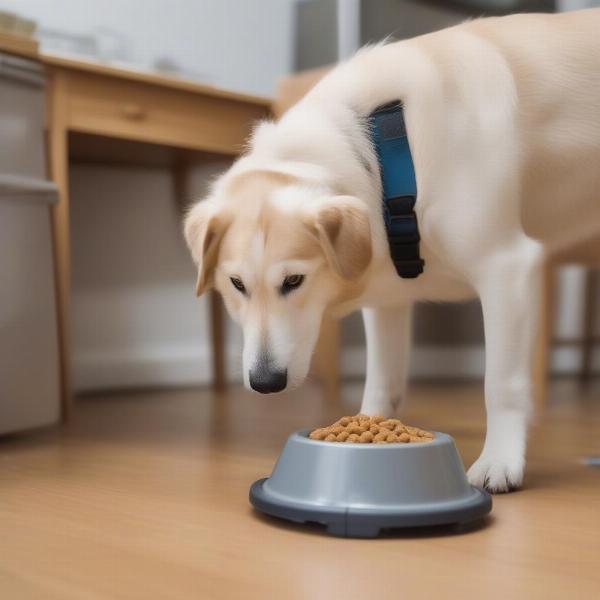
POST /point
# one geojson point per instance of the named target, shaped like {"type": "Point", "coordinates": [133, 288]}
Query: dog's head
{"type": "Point", "coordinates": [281, 253]}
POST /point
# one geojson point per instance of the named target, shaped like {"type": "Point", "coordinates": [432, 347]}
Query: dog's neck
{"type": "Point", "coordinates": [328, 147]}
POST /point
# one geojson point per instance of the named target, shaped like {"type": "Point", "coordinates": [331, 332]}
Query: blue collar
{"type": "Point", "coordinates": [399, 185]}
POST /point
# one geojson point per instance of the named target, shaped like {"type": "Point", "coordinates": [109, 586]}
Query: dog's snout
{"type": "Point", "coordinates": [267, 379]}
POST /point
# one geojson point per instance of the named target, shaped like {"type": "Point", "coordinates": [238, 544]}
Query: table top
{"type": "Point", "coordinates": [146, 76]}
{"type": "Point", "coordinates": [28, 47]}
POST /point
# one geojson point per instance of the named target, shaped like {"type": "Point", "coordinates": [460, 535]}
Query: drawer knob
{"type": "Point", "coordinates": [133, 111]}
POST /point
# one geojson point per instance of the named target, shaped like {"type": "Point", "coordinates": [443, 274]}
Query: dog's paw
{"type": "Point", "coordinates": [497, 474]}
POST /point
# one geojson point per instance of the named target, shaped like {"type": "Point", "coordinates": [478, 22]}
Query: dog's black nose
{"type": "Point", "coordinates": [266, 380]}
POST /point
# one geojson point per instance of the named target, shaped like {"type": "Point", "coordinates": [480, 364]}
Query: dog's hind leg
{"type": "Point", "coordinates": [388, 334]}
{"type": "Point", "coordinates": [509, 290]}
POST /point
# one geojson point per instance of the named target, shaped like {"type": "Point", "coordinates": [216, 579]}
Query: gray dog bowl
{"type": "Point", "coordinates": [356, 490]}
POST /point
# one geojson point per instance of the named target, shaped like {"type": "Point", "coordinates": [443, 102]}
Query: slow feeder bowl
{"type": "Point", "coordinates": [356, 490]}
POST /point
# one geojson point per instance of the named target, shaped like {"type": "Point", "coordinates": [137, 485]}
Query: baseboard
{"type": "Point", "coordinates": [166, 366]}
{"type": "Point", "coordinates": [193, 366]}
{"type": "Point", "coordinates": [431, 362]}
{"type": "Point", "coordinates": [462, 362]}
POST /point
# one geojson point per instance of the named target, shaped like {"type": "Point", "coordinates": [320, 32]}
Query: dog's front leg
{"type": "Point", "coordinates": [388, 333]}
{"type": "Point", "coordinates": [509, 291]}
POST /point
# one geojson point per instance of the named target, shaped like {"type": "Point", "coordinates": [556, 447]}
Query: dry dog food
{"type": "Point", "coordinates": [363, 429]}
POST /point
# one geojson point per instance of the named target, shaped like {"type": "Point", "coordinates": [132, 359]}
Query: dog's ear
{"type": "Point", "coordinates": [342, 226]}
{"type": "Point", "coordinates": [204, 227]}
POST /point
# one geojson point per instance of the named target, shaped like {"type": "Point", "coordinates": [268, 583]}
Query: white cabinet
{"type": "Point", "coordinates": [29, 369]}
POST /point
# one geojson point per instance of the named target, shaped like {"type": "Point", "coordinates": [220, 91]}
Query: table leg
{"type": "Point", "coordinates": [217, 331]}
{"type": "Point", "coordinates": [327, 356]}
{"type": "Point", "coordinates": [589, 323]}
{"type": "Point", "coordinates": [59, 172]}
{"type": "Point", "coordinates": [543, 347]}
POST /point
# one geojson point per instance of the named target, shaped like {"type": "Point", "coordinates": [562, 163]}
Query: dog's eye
{"type": "Point", "coordinates": [238, 284]}
{"type": "Point", "coordinates": [291, 282]}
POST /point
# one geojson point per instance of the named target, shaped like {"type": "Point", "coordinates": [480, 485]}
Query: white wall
{"type": "Point", "coordinates": [241, 44]}
{"type": "Point", "coordinates": [135, 317]}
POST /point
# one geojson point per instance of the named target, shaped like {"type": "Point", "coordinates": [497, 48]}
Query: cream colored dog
{"type": "Point", "coordinates": [504, 126]}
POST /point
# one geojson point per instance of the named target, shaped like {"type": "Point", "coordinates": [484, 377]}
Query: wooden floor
{"type": "Point", "coordinates": [145, 496]}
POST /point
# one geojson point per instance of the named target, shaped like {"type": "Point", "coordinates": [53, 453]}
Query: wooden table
{"type": "Point", "coordinates": [176, 121]}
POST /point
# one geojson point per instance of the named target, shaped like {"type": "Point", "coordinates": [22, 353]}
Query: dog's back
{"type": "Point", "coordinates": [523, 89]}
{"type": "Point", "coordinates": [555, 61]}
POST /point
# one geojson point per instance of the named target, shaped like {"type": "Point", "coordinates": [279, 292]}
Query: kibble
{"type": "Point", "coordinates": [366, 437]}
{"type": "Point", "coordinates": [371, 430]}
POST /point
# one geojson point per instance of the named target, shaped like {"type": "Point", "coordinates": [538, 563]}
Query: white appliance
{"type": "Point", "coordinates": [29, 369]}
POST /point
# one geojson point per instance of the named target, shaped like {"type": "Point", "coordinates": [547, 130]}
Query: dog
{"type": "Point", "coordinates": [502, 121]}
